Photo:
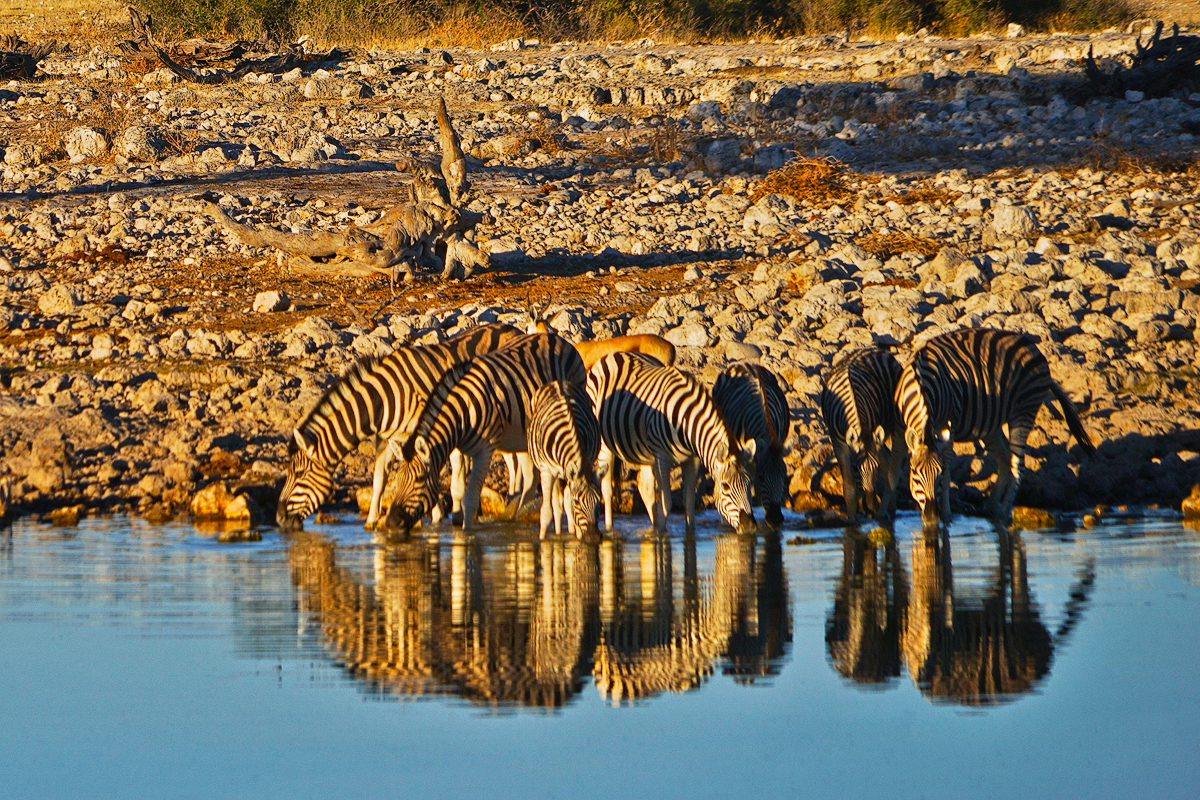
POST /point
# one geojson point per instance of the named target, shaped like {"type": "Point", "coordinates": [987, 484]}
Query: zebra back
{"type": "Point", "coordinates": [859, 396]}
{"type": "Point", "coordinates": [971, 382]}
{"type": "Point", "coordinates": [645, 408]}
{"type": "Point", "coordinates": [563, 430]}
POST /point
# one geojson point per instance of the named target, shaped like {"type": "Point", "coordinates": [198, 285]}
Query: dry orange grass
{"type": "Point", "coordinates": [925, 194]}
{"type": "Point", "coordinates": [821, 182]}
{"type": "Point", "coordinates": [887, 245]}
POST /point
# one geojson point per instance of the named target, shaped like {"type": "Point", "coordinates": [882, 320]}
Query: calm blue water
{"type": "Point", "coordinates": [150, 661]}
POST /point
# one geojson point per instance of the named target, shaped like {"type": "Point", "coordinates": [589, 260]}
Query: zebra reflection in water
{"type": "Point", "coordinates": [970, 645]}
{"type": "Point", "coordinates": [526, 623]}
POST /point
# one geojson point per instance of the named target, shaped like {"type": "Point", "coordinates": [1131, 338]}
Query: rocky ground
{"type": "Point", "coordinates": [946, 183]}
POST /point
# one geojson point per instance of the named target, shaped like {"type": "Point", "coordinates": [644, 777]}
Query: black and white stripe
{"type": "Point", "coordinates": [378, 399]}
{"type": "Point", "coordinates": [858, 404]}
{"type": "Point", "coordinates": [564, 441]}
{"type": "Point", "coordinates": [477, 408]}
{"type": "Point", "coordinates": [754, 407]}
{"type": "Point", "coordinates": [656, 417]}
{"type": "Point", "coordinates": [967, 385]}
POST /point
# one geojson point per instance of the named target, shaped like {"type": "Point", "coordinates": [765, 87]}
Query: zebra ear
{"type": "Point", "coordinates": [420, 447]}
{"type": "Point", "coordinates": [944, 436]}
{"type": "Point", "coordinates": [749, 448]}
{"type": "Point", "coordinates": [304, 446]}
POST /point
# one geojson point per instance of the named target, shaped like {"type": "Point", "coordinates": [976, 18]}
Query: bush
{"type": "Point", "coordinates": [450, 22]}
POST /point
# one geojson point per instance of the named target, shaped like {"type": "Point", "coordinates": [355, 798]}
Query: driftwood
{"type": "Point", "coordinates": [1159, 67]}
{"type": "Point", "coordinates": [204, 53]}
{"type": "Point", "coordinates": [19, 59]}
{"type": "Point", "coordinates": [429, 232]}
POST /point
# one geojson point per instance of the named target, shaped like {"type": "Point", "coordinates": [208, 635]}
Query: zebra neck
{"type": "Point", "coordinates": [445, 435]}
{"type": "Point", "coordinates": [707, 436]}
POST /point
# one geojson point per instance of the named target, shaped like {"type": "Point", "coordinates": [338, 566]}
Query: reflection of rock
{"type": "Point", "coordinates": [863, 629]}
{"type": "Point", "coordinates": [972, 649]}
{"type": "Point", "coordinates": [522, 623]}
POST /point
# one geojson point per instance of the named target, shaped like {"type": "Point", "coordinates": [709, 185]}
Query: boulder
{"type": "Point", "coordinates": [85, 142]}
{"type": "Point", "coordinates": [1191, 503]}
{"type": "Point", "coordinates": [1018, 222]}
{"type": "Point", "coordinates": [60, 299]}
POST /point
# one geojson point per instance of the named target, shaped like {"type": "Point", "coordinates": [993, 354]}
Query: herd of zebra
{"type": "Point", "coordinates": [575, 413]}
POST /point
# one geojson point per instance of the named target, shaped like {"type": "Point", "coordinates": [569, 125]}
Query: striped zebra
{"type": "Point", "coordinates": [858, 404]}
{"type": "Point", "coordinates": [564, 441]}
{"type": "Point", "coordinates": [655, 417]}
{"type": "Point", "coordinates": [477, 408]}
{"type": "Point", "coordinates": [376, 398]}
{"type": "Point", "coordinates": [965, 386]}
{"type": "Point", "coordinates": [754, 407]}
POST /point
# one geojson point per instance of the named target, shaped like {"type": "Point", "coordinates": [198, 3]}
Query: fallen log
{"type": "Point", "coordinates": [1158, 68]}
{"type": "Point", "coordinates": [19, 59]}
{"type": "Point", "coordinates": [285, 61]}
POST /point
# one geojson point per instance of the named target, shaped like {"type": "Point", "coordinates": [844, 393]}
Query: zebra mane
{"type": "Point", "coordinates": [353, 375]}
{"type": "Point", "coordinates": [756, 374]}
{"type": "Point", "coordinates": [437, 397]}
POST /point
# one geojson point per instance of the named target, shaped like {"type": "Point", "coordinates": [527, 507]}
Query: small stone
{"type": "Point", "coordinates": [59, 300]}
{"type": "Point", "coordinates": [140, 143]}
{"type": "Point", "coordinates": [211, 501]}
{"type": "Point", "coordinates": [1015, 221]}
{"type": "Point", "coordinates": [692, 273]}
{"type": "Point", "coordinates": [1027, 518]}
{"type": "Point", "coordinates": [67, 516]}
{"type": "Point", "coordinates": [689, 334]}
{"type": "Point", "coordinates": [740, 351]}
{"type": "Point", "coordinates": [1014, 31]}
{"type": "Point", "coordinates": [1133, 96]}
{"type": "Point", "coordinates": [268, 302]}
{"type": "Point", "coordinates": [85, 143]}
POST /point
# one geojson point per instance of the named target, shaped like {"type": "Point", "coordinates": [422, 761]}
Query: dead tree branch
{"type": "Point", "coordinates": [1158, 67]}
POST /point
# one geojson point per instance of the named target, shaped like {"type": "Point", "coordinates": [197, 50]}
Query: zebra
{"type": "Point", "coordinates": [965, 386]}
{"type": "Point", "coordinates": [564, 441]}
{"type": "Point", "coordinates": [477, 408]}
{"type": "Point", "coordinates": [656, 417]}
{"type": "Point", "coordinates": [858, 404]}
{"type": "Point", "coordinates": [754, 407]}
{"type": "Point", "coordinates": [376, 398]}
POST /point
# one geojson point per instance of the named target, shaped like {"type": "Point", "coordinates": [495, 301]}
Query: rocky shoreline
{"type": "Point", "coordinates": [943, 183]}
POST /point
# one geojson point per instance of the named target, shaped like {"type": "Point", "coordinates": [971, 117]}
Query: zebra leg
{"type": "Point", "coordinates": [470, 500]}
{"type": "Point", "coordinates": [548, 491]}
{"type": "Point", "coordinates": [607, 469]}
{"type": "Point", "coordinates": [510, 462]}
{"type": "Point", "coordinates": [562, 499]}
{"type": "Point", "coordinates": [528, 473]}
{"type": "Point", "coordinates": [381, 464]}
{"type": "Point", "coordinates": [648, 489]}
{"type": "Point", "coordinates": [848, 464]}
{"type": "Point", "coordinates": [893, 472]}
{"type": "Point", "coordinates": [662, 477]}
{"type": "Point", "coordinates": [1000, 501]}
{"type": "Point", "coordinates": [691, 471]}
{"type": "Point", "coordinates": [459, 463]}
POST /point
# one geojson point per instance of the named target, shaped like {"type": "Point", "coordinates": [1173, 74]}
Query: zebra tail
{"type": "Point", "coordinates": [1072, 417]}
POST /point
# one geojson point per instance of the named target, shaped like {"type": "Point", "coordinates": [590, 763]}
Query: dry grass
{"type": "Point", "coordinates": [892, 244]}
{"type": "Point", "coordinates": [821, 182]}
{"type": "Point", "coordinates": [549, 137]}
{"type": "Point", "coordinates": [1105, 155]}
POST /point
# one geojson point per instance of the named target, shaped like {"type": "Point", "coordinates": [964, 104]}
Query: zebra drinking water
{"type": "Point", "coordinates": [655, 417]}
{"type": "Point", "coordinates": [376, 398]}
{"type": "Point", "coordinates": [858, 404]}
{"type": "Point", "coordinates": [964, 386]}
{"type": "Point", "coordinates": [477, 408]}
{"type": "Point", "coordinates": [754, 407]}
{"type": "Point", "coordinates": [564, 441]}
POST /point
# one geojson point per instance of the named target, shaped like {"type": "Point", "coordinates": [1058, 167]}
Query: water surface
{"type": "Point", "coordinates": [151, 661]}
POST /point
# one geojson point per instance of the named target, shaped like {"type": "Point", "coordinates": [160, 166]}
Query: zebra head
{"type": "Point", "coordinates": [585, 497]}
{"type": "Point", "coordinates": [413, 488]}
{"type": "Point", "coordinates": [927, 465]}
{"type": "Point", "coordinates": [771, 483]}
{"type": "Point", "coordinates": [732, 479]}
{"type": "Point", "coordinates": [308, 483]}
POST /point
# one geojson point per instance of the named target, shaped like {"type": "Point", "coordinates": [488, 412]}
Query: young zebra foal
{"type": "Point", "coordinates": [655, 417]}
{"type": "Point", "coordinates": [858, 405]}
{"type": "Point", "coordinates": [564, 441]}
{"type": "Point", "coordinates": [754, 407]}
{"type": "Point", "coordinates": [967, 385]}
